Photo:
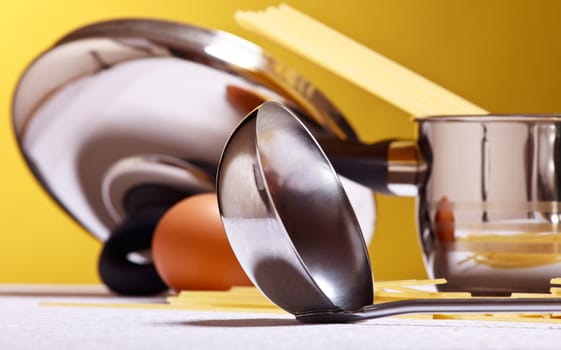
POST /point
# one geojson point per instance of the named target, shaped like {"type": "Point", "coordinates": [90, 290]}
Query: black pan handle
{"type": "Point", "coordinates": [134, 234]}
{"type": "Point", "coordinates": [366, 164]}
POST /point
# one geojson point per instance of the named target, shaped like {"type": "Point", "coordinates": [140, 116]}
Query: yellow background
{"type": "Point", "coordinates": [502, 55]}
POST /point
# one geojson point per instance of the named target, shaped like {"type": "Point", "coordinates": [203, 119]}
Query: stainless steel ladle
{"type": "Point", "coordinates": [294, 232]}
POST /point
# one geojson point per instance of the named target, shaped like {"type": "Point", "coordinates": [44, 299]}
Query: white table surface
{"type": "Point", "coordinates": [26, 323]}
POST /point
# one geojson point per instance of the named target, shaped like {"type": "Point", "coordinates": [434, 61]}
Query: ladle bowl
{"type": "Point", "coordinates": [285, 211]}
{"type": "Point", "coordinates": [295, 233]}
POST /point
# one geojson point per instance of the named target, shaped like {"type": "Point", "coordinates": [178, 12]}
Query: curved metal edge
{"type": "Point", "coordinates": [180, 36]}
{"type": "Point", "coordinates": [186, 38]}
{"type": "Point", "coordinates": [270, 111]}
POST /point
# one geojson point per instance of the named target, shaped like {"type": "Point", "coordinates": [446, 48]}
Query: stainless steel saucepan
{"type": "Point", "coordinates": [489, 201]}
{"type": "Point", "coordinates": [489, 196]}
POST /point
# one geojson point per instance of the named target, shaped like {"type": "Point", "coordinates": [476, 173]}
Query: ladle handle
{"type": "Point", "coordinates": [439, 306]}
{"type": "Point", "coordinates": [388, 166]}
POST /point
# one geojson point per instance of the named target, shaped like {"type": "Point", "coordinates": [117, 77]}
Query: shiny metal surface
{"type": "Point", "coordinates": [440, 306]}
{"type": "Point", "coordinates": [288, 218]}
{"type": "Point", "coordinates": [295, 234]}
{"type": "Point", "coordinates": [489, 209]}
{"type": "Point", "coordinates": [407, 168]}
{"type": "Point", "coordinates": [130, 184]}
{"type": "Point", "coordinates": [123, 89]}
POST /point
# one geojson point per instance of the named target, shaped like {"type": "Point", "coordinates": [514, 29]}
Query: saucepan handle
{"type": "Point", "coordinates": [389, 166]}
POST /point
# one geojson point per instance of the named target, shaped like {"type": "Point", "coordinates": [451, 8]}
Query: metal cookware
{"type": "Point", "coordinates": [127, 115]}
{"type": "Point", "coordinates": [294, 232]}
{"type": "Point", "coordinates": [488, 190]}
{"type": "Point", "coordinates": [489, 202]}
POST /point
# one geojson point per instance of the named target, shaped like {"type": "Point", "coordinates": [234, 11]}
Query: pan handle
{"type": "Point", "coordinates": [390, 166]}
{"type": "Point", "coordinates": [117, 271]}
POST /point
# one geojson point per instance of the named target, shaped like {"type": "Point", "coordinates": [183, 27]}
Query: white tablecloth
{"type": "Point", "coordinates": [27, 323]}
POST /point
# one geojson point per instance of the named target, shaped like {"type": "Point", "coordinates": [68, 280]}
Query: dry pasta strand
{"type": "Point", "coordinates": [355, 62]}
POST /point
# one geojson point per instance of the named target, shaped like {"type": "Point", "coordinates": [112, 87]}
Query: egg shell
{"type": "Point", "coordinates": [190, 248]}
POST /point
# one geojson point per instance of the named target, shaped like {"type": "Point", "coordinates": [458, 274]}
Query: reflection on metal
{"type": "Point", "coordinates": [485, 169]}
{"type": "Point", "coordinates": [136, 182]}
{"type": "Point", "coordinates": [500, 175]}
{"type": "Point", "coordinates": [89, 110]}
{"type": "Point", "coordinates": [294, 232]}
{"type": "Point", "coordinates": [407, 168]}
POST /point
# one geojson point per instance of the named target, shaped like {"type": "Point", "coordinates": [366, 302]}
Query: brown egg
{"type": "Point", "coordinates": [190, 248]}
